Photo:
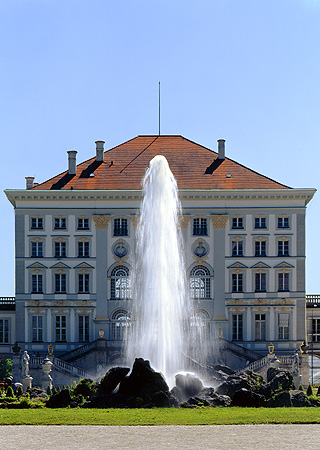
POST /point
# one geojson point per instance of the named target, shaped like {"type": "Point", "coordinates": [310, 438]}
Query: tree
{"type": "Point", "coordinates": [5, 368]}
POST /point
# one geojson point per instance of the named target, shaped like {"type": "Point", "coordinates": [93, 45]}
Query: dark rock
{"type": "Point", "coordinates": [61, 399]}
{"type": "Point", "coordinates": [37, 391]}
{"type": "Point", "coordinates": [163, 400]}
{"type": "Point", "coordinates": [233, 384]}
{"type": "Point", "coordinates": [143, 381]}
{"type": "Point", "coordinates": [207, 397]}
{"type": "Point", "coordinates": [111, 379]}
{"type": "Point", "coordinates": [244, 397]}
{"type": "Point", "coordinates": [283, 399]}
{"type": "Point", "coordinates": [188, 385]}
{"type": "Point", "coordinates": [299, 399]}
{"type": "Point", "coordinates": [281, 381]}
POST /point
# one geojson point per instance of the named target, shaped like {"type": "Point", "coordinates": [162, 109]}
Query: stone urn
{"type": "Point", "coordinates": [46, 377]}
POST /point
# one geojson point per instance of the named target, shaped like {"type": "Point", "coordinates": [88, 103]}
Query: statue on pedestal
{"type": "Point", "coordinates": [25, 364]}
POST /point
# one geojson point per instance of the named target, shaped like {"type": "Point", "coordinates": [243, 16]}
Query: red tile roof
{"type": "Point", "coordinates": [194, 167]}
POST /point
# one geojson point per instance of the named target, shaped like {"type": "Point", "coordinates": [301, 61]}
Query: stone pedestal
{"type": "Point", "coordinates": [26, 383]}
{"type": "Point", "coordinates": [297, 381]}
{"type": "Point", "coordinates": [16, 367]}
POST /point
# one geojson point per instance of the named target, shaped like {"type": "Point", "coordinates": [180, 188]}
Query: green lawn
{"type": "Point", "coordinates": [159, 416]}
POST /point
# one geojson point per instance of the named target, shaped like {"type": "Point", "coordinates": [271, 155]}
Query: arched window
{"type": "Point", "coordinates": [120, 323]}
{"type": "Point", "coordinates": [120, 283]}
{"type": "Point", "coordinates": [200, 282]}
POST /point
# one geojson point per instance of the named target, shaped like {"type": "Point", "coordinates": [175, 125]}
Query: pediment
{"type": "Point", "coordinates": [260, 265]}
{"type": "Point", "coordinates": [84, 265]}
{"type": "Point", "coordinates": [284, 265]}
{"type": "Point", "coordinates": [60, 265]}
{"type": "Point", "coordinates": [238, 265]}
{"type": "Point", "coordinates": [37, 265]}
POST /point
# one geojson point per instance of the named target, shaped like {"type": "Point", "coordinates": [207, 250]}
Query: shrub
{"type": "Point", "coordinates": [9, 392]}
{"type": "Point", "coordinates": [300, 388]}
{"type": "Point", "coordinates": [19, 391]}
{"type": "Point", "coordinates": [5, 368]}
{"type": "Point", "coordinates": [318, 391]}
{"type": "Point", "coordinates": [309, 390]}
{"type": "Point", "coordinates": [49, 391]}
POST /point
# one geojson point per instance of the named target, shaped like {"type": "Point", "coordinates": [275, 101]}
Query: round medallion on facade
{"type": "Point", "coordinates": [200, 249]}
{"type": "Point", "coordinates": [120, 249]}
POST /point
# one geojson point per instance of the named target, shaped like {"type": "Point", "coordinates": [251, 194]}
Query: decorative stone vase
{"type": "Point", "coordinates": [46, 377]}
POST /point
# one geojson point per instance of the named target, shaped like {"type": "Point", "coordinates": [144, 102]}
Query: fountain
{"type": "Point", "coordinates": [161, 311]}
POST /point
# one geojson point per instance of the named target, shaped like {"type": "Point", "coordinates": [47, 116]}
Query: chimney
{"type": "Point", "coordinates": [29, 182]}
{"type": "Point", "coordinates": [72, 165]}
{"type": "Point", "coordinates": [99, 150]}
{"type": "Point", "coordinates": [221, 149]}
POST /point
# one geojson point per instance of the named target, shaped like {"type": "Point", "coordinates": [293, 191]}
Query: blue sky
{"type": "Point", "coordinates": [76, 71]}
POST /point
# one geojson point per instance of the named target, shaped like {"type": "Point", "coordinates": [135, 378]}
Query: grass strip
{"type": "Point", "coordinates": [160, 416]}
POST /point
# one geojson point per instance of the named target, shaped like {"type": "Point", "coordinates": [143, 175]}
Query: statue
{"type": "Point", "coordinates": [25, 364]}
{"type": "Point", "coordinates": [295, 364]}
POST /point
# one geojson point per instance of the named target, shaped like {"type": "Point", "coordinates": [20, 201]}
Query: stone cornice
{"type": "Point", "coordinates": [305, 194]}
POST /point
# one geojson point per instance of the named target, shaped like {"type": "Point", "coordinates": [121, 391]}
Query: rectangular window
{"type": "Point", "coordinates": [36, 249]}
{"type": "Point", "coordinates": [283, 327]}
{"type": "Point", "coordinates": [36, 223]}
{"type": "Point", "coordinates": [120, 227]}
{"type": "Point", "coordinates": [200, 227]}
{"type": "Point", "coordinates": [83, 223]}
{"type": "Point", "coordinates": [60, 282]}
{"type": "Point", "coordinates": [260, 327]}
{"type": "Point", "coordinates": [37, 329]}
{"type": "Point", "coordinates": [260, 248]}
{"type": "Point", "coordinates": [237, 248]}
{"type": "Point", "coordinates": [37, 283]}
{"type": "Point", "coordinates": [4, 331]}
{"type": "Point", "coordinates": [237, 282]}
{"type": "Point", "coordinates": [315, 330]}
{"type": "Point", "coordinates": [283, 248]}
{"type": "Point", "coordinates": [283, 282]}
{"type": "Point", "coordinates": [260, 282]}
{"type": "Point", "coordinates": [237, 327]}
{"type": "Point", "coordinates": [237, 222]}
{"type": "Point", "coordinates": [260, 222]}
{"type": "Point", "coordinates": [283, 222]}
{"type": "Point", "coordinates": [59, 223]}
{"type": "Point", "coordinates": [83, 279]}
{"type": "Point", "coordinates": [83, 328]}
{"type": "Point", "coordinates": [83, 249]}
{"type": "Point", "coordinates": [61, 329]}
{"type": "Point", "coordinates": [60, 249]}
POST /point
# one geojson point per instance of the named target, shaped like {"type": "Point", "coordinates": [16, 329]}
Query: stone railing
{"type": "Point", "coordinates": [285, 360]}
{"type": "Point", "coordinates": [238, 349]}
{"type": "Point", "coordinates": [77, 352]}
{"type": "Point", "coordinates": [7, 303]}
{"type": "Point", "coordinates": [312, 299]}
{"type": "Point", "coordinates": [58, 364]}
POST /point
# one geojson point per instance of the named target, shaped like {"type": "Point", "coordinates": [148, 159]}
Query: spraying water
{"type": "Point", "coordinates": [161, 304]}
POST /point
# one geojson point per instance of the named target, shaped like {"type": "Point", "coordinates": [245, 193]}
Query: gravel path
{"type": "Point", "coordinates": [218, 437]}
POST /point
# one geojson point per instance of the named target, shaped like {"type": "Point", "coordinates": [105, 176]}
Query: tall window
{"type": "Point", "coordinates": [37, 329]}
{"type": "Point", "coordinates": [83, 249]}
{"type": "Point", "coordinates": [60, 249]}
{"type": "Point", "coordinates": [260, 327]}
{"type": "Point", "coordinates": [200, 282]}
{"type": "Point", "coordinates": [200, 227]}
{"type": "Point", "coordinates": [61, 328]}
{"type": "Point", "coordinates": [59, 223]}
{"type": "Point", "coordinates": [119, 326]}
{"type": "Point", "coordinates": [260, 248]}
{"type": "Point", "coordinates": [36, 249]}
{"type": "Point", "coordinates": [237, 282]}
{"type": "Point", "coordinates": [283, 222]}
{"type": "Point", "coordinates": [237, 327]}
{"type": "Point", "coordinates": [83, 223]}
{"type": "Point", "coordinates": [83, 328]}
{"type": "Point", "coordinates": [36, 223]}
{"type": "Point", "coordinates": [283, 248]}
{"type": "Point", "coordinates": [83, 282]}
{"type": "Point", "coordinates": [315, 330]}
{"type": "Point", "coordinates": [120, 227]}
{"type": "Point", "coordinates": [237, 222]}
{"type": "Point", "coordinates": [37, 285]}
{"type": "Point", "coordinates": [283, 327]}
{"type": "Point", "coordinates": [283, 282]}
{"type": "Point", "coordinates": [120, 283]}
{"type": "Point", "coordinates": [237, 248]}
{"type": "Point", "coordinates": [260, 282]}
{"type": "Point", "coordinates": [260, 222]}
{"type": "Point", "coordinates": [60, 283]}
{"type": "Point", "coordinates": [201, 321]}
{"type": "Point", "coordinates": [4, 331]}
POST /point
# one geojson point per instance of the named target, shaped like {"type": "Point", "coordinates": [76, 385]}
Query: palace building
{"type": "Point", "coordinates": [244, 240]}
